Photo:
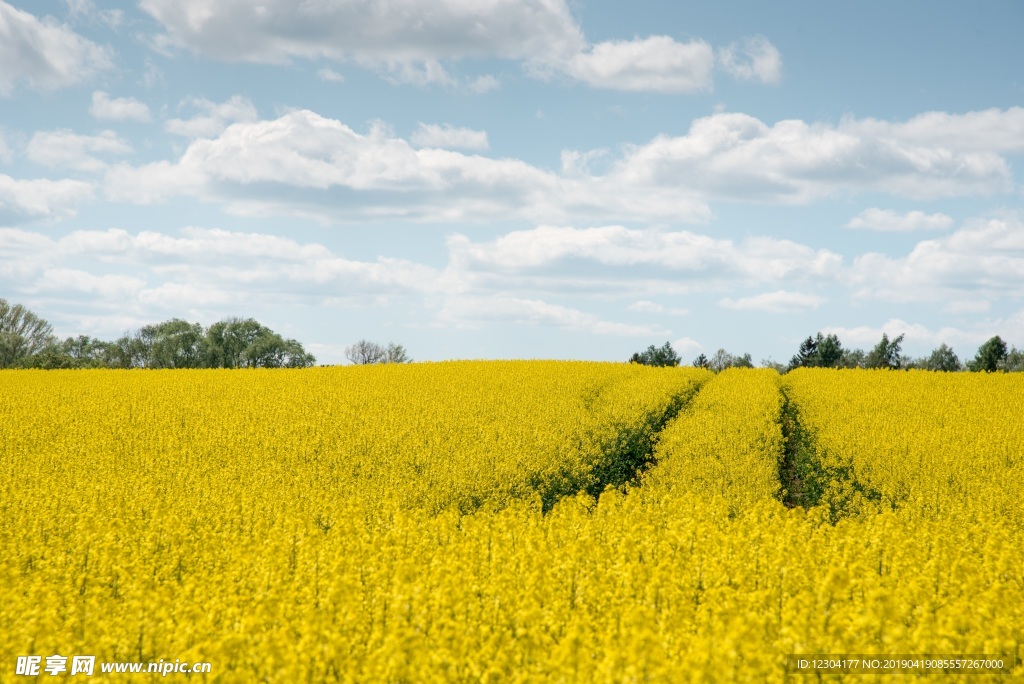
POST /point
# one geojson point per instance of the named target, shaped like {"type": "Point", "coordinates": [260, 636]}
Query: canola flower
{"type": "Point", "coordinates": [216, 516]}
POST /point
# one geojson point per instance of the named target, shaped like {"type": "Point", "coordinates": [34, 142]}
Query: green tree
{"type": "Point", "coordinates": [657, 356]}
{"type": "Point", "coordinates": [270, 350]}
{"type": "Point", "coordinates": [227, 340]}
{"type": "Point", "coordinates": [943, 359]}
{"type": "Point", "coordinates": [74, 352]}
{"type": "Point", "coordinates": [852, 358]}
{"type": "Point", "coordinates": [174, 344]}
{"type": "Point", "coordinates": [830, 351]}
{"type": "Point", "coordinates": [990, 356]}
{"type": "Point", "coordinates": [806, 355]}
{"type": "Point", "coordinates": [1014, 361]}
{"type": "Point", "coordinates": [819, 351]}
{"type": "Point", "coordinates": [885, 354]}
{"type": "Point", "coordinates": [723, 359]}
{"type": "Point", "coordinates": [22, 334]}
{"type": "Point", "coordinates": [701, 362]}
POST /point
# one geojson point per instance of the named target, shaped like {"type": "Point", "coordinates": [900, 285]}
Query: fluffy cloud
{"type": "Point", "coordinates": [43, 54]}
{"type": "Point", "coordinates": [408, 41]}
{"type": "Point", "coordinates": [305, 164]}
{"type": "Point", "coordinates": [64, 149]}
{"type": "Point", "coordinates": [27, 200]}
{"type": "Point", "coordinates": [449, 137]}
{"type": "Point", "coordinates": [394, 33]}
{"type": "Point", "coordinates": [989, 130]}
{"type": "Point", "coordinates": [922, 337]}
{"type": "Point", "coordinates": [753, 59]}
{"type": "Point", "coordinates": [685, 346]}
{"type": "Point", "coordinates": [779, 301]}
{"type": "Point", "coordinates": [983, 260]}
{"type": "Point", "coordinates": [736, 156]}
{"type": "Point", "coordinates": [212, 118]}
{"type": "Point", "coordinates": [674, 253]}
{"type": "Point", "coordinates": [118, 108]}
{"type": "Point", "coordinates": [888, 221]}
{"type": "Point", "coordinates": [198, 269]}
{"type": "Point", "coordinates": [61, 281]}
{"type": "Point", "coordinates": [472, 311]}
{"type": "Point", "coordinates": [657, 63]}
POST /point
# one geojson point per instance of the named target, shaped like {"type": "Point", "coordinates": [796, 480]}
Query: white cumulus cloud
{"type": "Point", "coordinates": [680, 252]}
{"type": "Point", "coordinates": [27, 200]}
{"type": "Point", "coordinates": [449, 137]}
{"type": "Point", "coordinates": [471, 311]}
{"type": "Point", "coordinates": [393, 33]}
{"type": "Point", "coordinates": [212, 117]}
{"type": "Point", "coordinates": [889, 221]}
{"type": "Point", "coordinates": [64, 149]}
{"type": "Point", "coordinates": [409, 41]}
{"type": "Point", "coordinates": [118, 108]}
{"type": "Point", "coordinates": [753, 59]}
{"type": "Point", "coordinates": [737, 156]}
{"type": "Point", "coordinates": [43, 54]}
{"type": "Point", "coordinates": [780, 301]}
{"type": "Point", "coordinates": [981, 261]}
{"type": "Point", "coordinates": [301, 162]}
{"type": "Point", "coordinates": [656, 63]}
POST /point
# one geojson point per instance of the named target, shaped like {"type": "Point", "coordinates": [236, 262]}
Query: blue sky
{"type": "Point", "coordinates": [518, 178]}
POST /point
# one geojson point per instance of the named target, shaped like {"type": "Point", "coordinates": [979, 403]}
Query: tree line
{"type": "Point", "coordinates": [27, 341]}
{"type": "Point", "coordinates": [827, 351]}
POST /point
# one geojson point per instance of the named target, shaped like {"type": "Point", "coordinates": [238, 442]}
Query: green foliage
{"type": "Point", "coordinates": [942, 359]}
{"type": "Point", "coordinates": [885, 354]}
{"type": "Point", "coordinates": [27, 341]}
{"type": "Point", "coordinates": [990, 357]}
{"type": "Point", "coordinates": [1014, 361]}
{"type": "Point", "coordinates": [74, 352]}
{"type": "Point", "coordinates": [22, 334]}
{"type": "Point", "coordinates": [852, 358]}
{"type": "Point", "coordinates": [774, 365]}
{"type": "Point", "coordinates": [657, 356]}
{"type": "Point", "coordinates": [723, 359]}
{"type": "Point", "coordinates": [812, 477]}
{"type": "Point", "coordinates": [820, 351]}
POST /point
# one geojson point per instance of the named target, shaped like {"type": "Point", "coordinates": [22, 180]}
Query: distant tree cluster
{"type": "Point", "coordinates": [27, 341]}
{"type": "Point", "coordinates": [827, 351]}
{"type": "Point", "coordinates": [656, 356]}
{"type": "Point", "coordinates": [721, 360]}
{"type": "Point", "coordinates": [665, 355]}
{"type": "Point", "coordinates": [365, 352]}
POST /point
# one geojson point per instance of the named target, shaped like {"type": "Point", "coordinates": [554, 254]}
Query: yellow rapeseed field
{"type": "Point", "coordinates": [444, 522]}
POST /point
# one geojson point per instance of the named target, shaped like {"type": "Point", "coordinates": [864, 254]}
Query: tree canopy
{"type": "Point", "coordinates": [22, 334]}
{"type": "Point", "coordinates": [365, 352]}
{"type": "Point", "coordinates": [885, 354]}
{"type": "Point", "coordinates": [990, 356]}
{"type": "Point", "coordinates": [657, 356]}
{"type": "Point", "coordinates": [27, 341]}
